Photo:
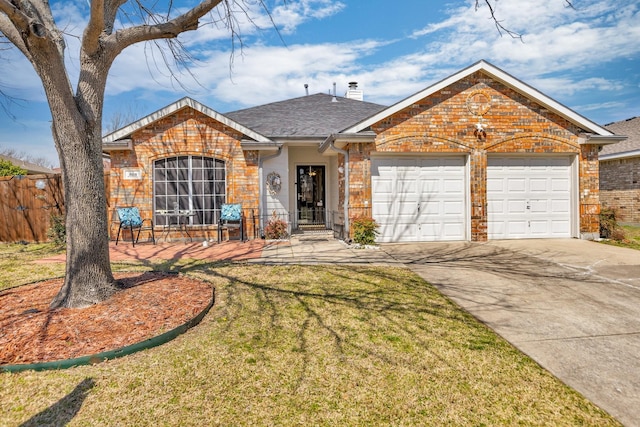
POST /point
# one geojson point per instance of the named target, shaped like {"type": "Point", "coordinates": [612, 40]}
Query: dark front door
{"type": "Point", "coordinates": [311, 196]}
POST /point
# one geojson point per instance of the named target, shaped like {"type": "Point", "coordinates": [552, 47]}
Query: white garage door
{"type": "Point", "coordinates": [529, 197]}
{"type": "Point", "coordinates": [419, 199]}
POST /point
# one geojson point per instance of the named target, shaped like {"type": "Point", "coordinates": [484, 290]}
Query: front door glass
{"type": "Point", "coordinates": [311, 195]}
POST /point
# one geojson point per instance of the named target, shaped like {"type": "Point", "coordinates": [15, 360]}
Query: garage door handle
{"type": "Point", "coordinates": [418, 207]}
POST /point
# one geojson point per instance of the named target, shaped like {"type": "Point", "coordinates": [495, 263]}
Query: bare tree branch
{"type": "Point", "coordinates": [91, 38]}
{"type": "Point", "coordinates": [501, 28]}
{"type": "Point", "coordinates": [164, 30]}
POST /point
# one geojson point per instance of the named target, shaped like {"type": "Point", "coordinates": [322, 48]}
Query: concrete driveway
{"type": "Point", "coordinates": [571, 305]}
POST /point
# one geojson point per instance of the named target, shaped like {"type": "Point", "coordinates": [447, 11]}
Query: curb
{"type": "Point", "coordinates": [113, 354]}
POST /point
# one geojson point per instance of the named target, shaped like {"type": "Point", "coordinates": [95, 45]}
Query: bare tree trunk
{"type": "Point", "coordinates": [88, 277]}
{"type": "Point", "coordinates": [77, 131]}
{"type": "Point", "coordinates": [77, 120]}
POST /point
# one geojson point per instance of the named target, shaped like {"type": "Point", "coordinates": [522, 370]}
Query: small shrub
{"type": "Point", "coordinates": [57, 233]}
{"type": "Point", "coordinates": [276, 229]}
{"type": "Point", "coordinates": [618, 235]}
{"type": "Point", "coordinates": [609, 228]}
{"type": "Point", "coordinates": [9, 169]}
{"type": "Point", "coordinates": [365, 230]}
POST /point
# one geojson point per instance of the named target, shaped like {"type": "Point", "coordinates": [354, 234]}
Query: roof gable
{"type": "Point", "coordinates": [317, 115]}
{"type": "Point", "coordinates": [128, 130]}
{"type": "Point", "coordinates": [498, 75]}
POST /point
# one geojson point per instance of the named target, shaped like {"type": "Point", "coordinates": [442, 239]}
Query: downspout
{"type": "Point", "coordinates": [345, 153]}
{"type": "Point", "coordinates": [261, 195]}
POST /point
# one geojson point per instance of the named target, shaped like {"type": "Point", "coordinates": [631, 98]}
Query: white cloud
{"type": "Point", "coordinates": [561, 48]}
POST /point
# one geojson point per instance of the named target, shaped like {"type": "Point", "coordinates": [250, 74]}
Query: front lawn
{"type": "Point", "coordinates": [306, 345]}
{"type": "Point", "coordinates": [631, 238]}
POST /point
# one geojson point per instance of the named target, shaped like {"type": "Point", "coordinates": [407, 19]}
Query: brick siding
{"type": "Point", "coordinates": [186, 132]}
{"type": "Point", "coordinates": [620, 188]}
{"type": "Point", "coordinates": [443, 123]}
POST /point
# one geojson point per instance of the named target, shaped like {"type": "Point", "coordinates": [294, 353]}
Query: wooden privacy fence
{"type": "Point", "coordinates": [26, 205]}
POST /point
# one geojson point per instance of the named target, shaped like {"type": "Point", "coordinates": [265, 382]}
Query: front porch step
{"type": "Point", "coordinates": [314, 233]}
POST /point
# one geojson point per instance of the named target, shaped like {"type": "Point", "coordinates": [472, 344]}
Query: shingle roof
{"type": "Point", "coordinates": [308, 116]}
{"type": "Point", "coordinates": [31, 168]}
{"type": "Point", "coordinates": [630, 128]}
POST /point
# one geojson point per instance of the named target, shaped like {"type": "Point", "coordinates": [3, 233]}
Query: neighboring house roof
{"type": "Point", "coordinates": [308, 116]}
{"type": "Point", "coordinates": [501, 76]}
{"type": "Point", "coordinates": [118, 140]}
{"type": "Point", "coordinates": [31, 168]}
{"type": "Point", "coordinates": [628, 148]}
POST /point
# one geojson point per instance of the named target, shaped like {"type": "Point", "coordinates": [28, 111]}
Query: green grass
{"type": "Point", "coordinates": [307, 345]}
{"type": "Point", "coordinates": [16, 267]}
{"type": "Point", "coordinates": [631, 238]}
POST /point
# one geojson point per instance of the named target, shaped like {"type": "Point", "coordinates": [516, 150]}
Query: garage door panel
{"type": "Point", "coordinates": [406, 185]}
{"type": "Point", "coordinates": [495, 185]}
{"type": "Point", "coordinates": [429, 200]}
{"type": "Point", "coordinates": [383, 186]}
{"type": "Point", "coordinates": [558, 227]}
{"type": "Point", "coordinates": [453, 186]}
{"type": "Point", "coordinates": [537, 200]}
{"type": "Point", "coordinates": [516, 185]}
{"type": "Point", "coordinates": [430, 208]}
{"type": "Point", "coordinates": [516, 206]}
{"type": "Point", "coordinates": [496, 207]}
{"type": "Point", "coordinates": [453, 230]}
{"type": "Point", "coordinates": [429, 185]}
{"type": "Point", "coordinates": [560, 184]}
{"type": "Point", "coordinates": [560, 207]}
{"type": "Point", "coordinates": [440, 231]}
{"type": "Point", "coordinates": [454, 208]}
{"type": "Point", "coordinates": [538, 185]}
{"type": "Point", "coordinates": [539, 206]}
{"type": "Point", "coordinates": [407, 209]}
{"type": "Point", "coordinates": [517, 228]}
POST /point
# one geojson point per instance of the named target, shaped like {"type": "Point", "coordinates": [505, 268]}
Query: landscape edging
{"type": "Point", "coordinates": [113, 354]}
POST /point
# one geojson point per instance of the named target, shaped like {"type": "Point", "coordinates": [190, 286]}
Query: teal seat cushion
{"type": "Point", "coordinates": [129, 217]}
{"type": "Point", "coordinates": [231, 212]}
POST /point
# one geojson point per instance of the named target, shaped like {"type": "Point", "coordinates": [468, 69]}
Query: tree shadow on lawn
{"type": "Point", "coordinates": [330, 298]}
{"type": "Point", "coordinates": [65, 409]}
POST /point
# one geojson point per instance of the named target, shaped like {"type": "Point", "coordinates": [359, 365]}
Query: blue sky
{"type": "Point", "coordinates": [587, 58]}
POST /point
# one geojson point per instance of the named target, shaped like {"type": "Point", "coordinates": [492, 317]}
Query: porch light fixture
{"type": "Point", "coordinates": [311, 172]}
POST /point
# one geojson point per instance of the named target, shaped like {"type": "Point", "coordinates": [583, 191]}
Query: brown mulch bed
{"type": "Point", "coordinates": [150, 304]}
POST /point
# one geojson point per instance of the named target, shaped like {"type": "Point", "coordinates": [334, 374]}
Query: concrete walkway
{"type": "Point", "coordinates": [571, 305]}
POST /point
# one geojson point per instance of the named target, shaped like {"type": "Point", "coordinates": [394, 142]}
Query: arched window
{"type": "Point", "coordinates": [195, 183]}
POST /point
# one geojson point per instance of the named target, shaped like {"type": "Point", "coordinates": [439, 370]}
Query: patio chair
{"type": "Point", "coordinates": [130, 219]}
{"type": "Point", "coordinates": [231, 216]}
